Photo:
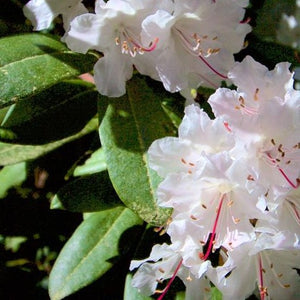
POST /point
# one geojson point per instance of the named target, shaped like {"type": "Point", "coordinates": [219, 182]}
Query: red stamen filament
{"type": "Point", "coordinates": [212, 68]}
{"type": "Point", "coordinates": [213, 234]}
{"type": "Point", "coordinates": [170, 281]}
{"type": "Point", "coordinates": [146, 49]}
{"type": "Point", "coordinates": [261, 279]}
{"type": "Point", "coordinates": [295, 186]}
{"type": "Point", "coordinates": [192, 49]}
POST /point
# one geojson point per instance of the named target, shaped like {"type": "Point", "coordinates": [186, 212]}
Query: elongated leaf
{"type": "Point", "coordinates": [11, 176]}
{"type": "Point", "coordinates": [131, 293]}
{"type": "Point", "coordinates": [128, 128]}
{"type": "Point", "coordinates": [90, 252]}
{"type": "Point", "coordinates": [87, 194]}
{"type": "Point", "coordinates": [53, 114]}
{"type": "Point", "coordinates": [32, 62]}
{"type": "Point", "coordinates": [96, 163]}
{"type": "Point", "coordinates": [14, 153]}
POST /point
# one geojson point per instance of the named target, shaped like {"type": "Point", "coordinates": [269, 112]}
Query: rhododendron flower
{"type": "Point", "coordinates": [115, 30]}
{"type": "Point", "coordinates": [197, 40]}
{"type": "Point", "coordinates": [41, 13]}
{"type": "Point", "coordinates": [198, 134]}
{"type": "Point", "coordinates": [166, 262]}
{"type": "Point", "coordinates": [268, 262]}
{"type": "Point", "coordinates": [263, 114]}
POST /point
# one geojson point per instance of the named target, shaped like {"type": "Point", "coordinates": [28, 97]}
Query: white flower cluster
{"type": "Point", "coordinates": [181, 43]}
{"type": "Point", "coordinates": [233, 185]}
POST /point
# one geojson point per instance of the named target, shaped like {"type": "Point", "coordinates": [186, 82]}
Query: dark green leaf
{"type": "Point", "coordinates": [14, 153]}
{"type": "Point", "coordinates": [55, 113]}
{"type": "Point", "coordinates": [130, 125]}
{"type": "Point", "coordinates": [32, 62]}
{"type": "Point", "coordinates": [269, 53]}
{"type": "Point", "coordinates": [87, 194]}
{"type": "Point", "coordinates": [96, 244]}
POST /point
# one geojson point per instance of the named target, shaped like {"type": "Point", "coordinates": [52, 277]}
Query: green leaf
{"type": "Point", "coordinates": [215, 294]}
{"type": "Point", "coordinates": [32, 62]}
{"type": "Point", "coordinates": [14, 153]}
{"type": "Point", "coordinates": [11, 176]}
{"type": "Point", "coordinates": [131, 293]}
{"type": "Point", "coordinates": [130, 125]}
{"type": "Point", "coordinates": [96, 163]}
{"type": "Point", "coordinates": [269, 53]}
{"type": "Point", "coordinates": [269, 15]}
{"type": "Point", "coordinates": [87, 194]}
{"type": "Point", "coordinates": [92, 250]}
{"type": "Point", "coordinates": [53, 114]}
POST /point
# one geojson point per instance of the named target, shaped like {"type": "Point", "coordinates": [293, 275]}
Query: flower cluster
{"type": "Point", "coordinates": [181, 43]}
{"type": "Point", "coordinates": [233, 185]}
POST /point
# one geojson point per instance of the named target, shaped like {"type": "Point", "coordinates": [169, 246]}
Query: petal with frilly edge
{"type": "Point", "coordinates": [111, 73]}
{"type": "Point", "coordinates": [42, 12]}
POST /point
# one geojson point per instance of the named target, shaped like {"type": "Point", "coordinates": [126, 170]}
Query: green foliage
{"type": "Point", "coordinates": [96, 163]}
{"type": "Point", "coordinates": [73, 195]}
{"type": "Point", "coordinates": [43, 108]}
{"type": "Point", "coordinates": [23, 61]}
{"type": "Point", "coordinates": [53, 114]}
{"type": "Point", "coordinates": [130, 125]}
{"type": "Point", "coordinates": [14, 153]}
{"type": "Point", "coordinates": [93, 248]}
{"type": "Point", "coordinates": [11, 176]}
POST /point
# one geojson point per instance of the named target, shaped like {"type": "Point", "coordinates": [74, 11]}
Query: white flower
{"type": "Point", "coordinates": [216, 202]}
{"type": "Point", "coordinates": [269, 262]}
{"type": "Point", "coordinates": [197, 135]}
{"type": "Point", "coordinates": [41, 13]}
{"type": "Point", "coordinates": [164, 262]}
{"type": "Point", "coordinates": [115, 31]}
{"type": "Point", "coordinates": [263, 114]}
{"type": "Point", "coordinates": [197, 41]}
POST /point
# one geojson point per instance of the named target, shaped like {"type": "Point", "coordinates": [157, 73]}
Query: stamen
{"type": "Point", "coordinates": [170, 281]}
{"type": "Point", "coordinates": [227, 126]}
{"type": "Point", "coordinates": [213, 234]}
{"type": "Point", "coordinates": [262, 289]}
{"type": "Point", "coordinates": [256, 94]}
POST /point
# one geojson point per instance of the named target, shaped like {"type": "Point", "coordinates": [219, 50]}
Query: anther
{"type": "Point", "coordinates": [256, 94]}
{"type": "Point", "coordinates": [204, 206]}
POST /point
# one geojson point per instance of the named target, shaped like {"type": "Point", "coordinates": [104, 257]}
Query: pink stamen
{"type": "Point", "coordinates": [261, 279]}
{"type": "Point", "coordinates": [212, 68]}
{"type": "Point", "coordinates": [295, 186]}
{"type": "Point", "coordinates": [245, 21]}
{"type": "Point", "coordinates": [171, 280]}
{"type": "Point", "coordinates": [227, 126]}
{"type": "Point", "coordinates": [146, 49]}
{"type": "Point", "coordinates": [213, 234]}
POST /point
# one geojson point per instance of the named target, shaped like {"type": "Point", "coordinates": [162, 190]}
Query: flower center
{"type": "Point", "coordinates": [197, 45]}
{"type": "Point", "coordinates": [130, 44]}
{"type": "Point", "coordinates": [281, 157]}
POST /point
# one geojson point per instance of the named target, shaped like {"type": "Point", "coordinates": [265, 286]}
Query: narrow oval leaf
{"type": "Point", "coordinates": [91, 251]}
{"type": "Point", "coordinates": [87, 194]}
{"type": "Point", "coordinates": [55, 113]}
{"type": "Point", "coordinates": [32, 62]}
{"type": "Point", "coordinates": [14, 153]}
{"type": "Point", "coordinates": [130, 125]}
